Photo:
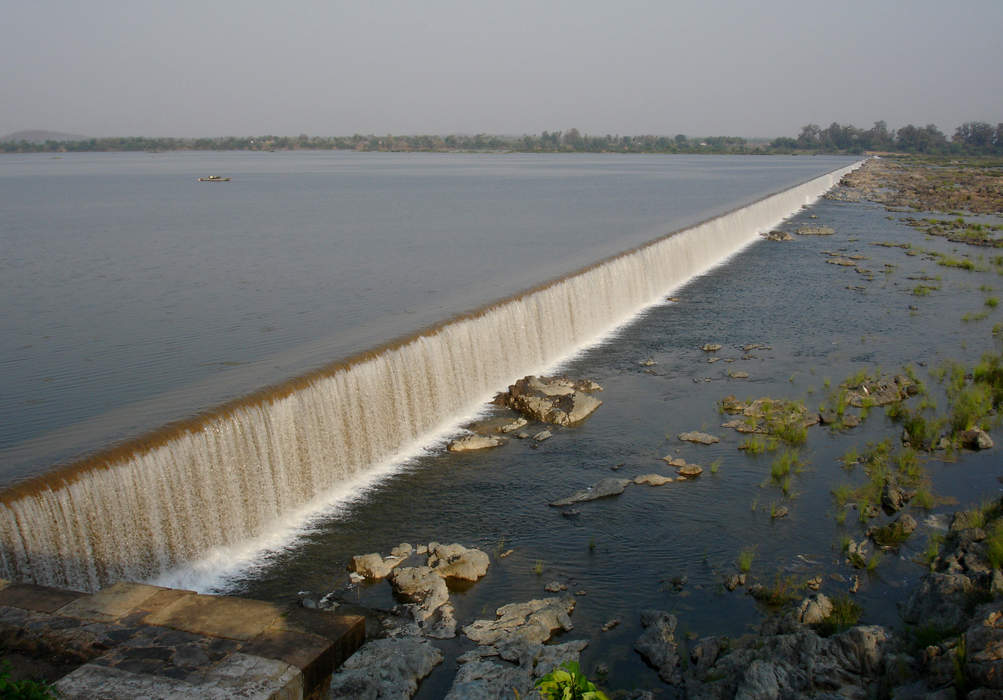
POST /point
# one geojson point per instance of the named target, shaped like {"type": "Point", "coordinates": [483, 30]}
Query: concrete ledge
{"type": "Point", "coordinates": [136, 640]}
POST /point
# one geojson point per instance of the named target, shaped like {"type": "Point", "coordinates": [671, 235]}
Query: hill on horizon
{"type": "Point", "coordinates": [40, 136]}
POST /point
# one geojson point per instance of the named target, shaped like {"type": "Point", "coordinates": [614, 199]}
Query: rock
{"type": "Point", "coordinates": [738, 375]}
{"type": "Point", "coordinates": [778, 236]}
{"type": "Point", "coordinates": [488, 680]}
{"type": "Point", "coordinates": [814, 609]}
{"type": "Point", "coordinates": [559, 401]}
{"type": "Point", "coordinates": [780, 512]}
{"type": "Point", "coordinates": [711, 347]}
{"type": "Point", "coordinates": [522, 435]}
{"type": "Point", "coordinates": [938, 601]}
{"type": "Point", "coordinates": [604, 489]}
{"type": "Point", "coordinates": [456, 561]}
{"type": "Point", "coordinates": [657, 644]}
{"type": "Point", "coordinates": [506, 553]}
{"type": "Point", "coordinates": [850, 420]}
{"type": "Point", "coordinates": [441, 624]}
{"type": "Point", "coordinates": [843, 262]}
{"type": "Point", "coordinates": [469, 443]}
{"type": "Point", "coordinates": [373, 565]}
{"type": "Point", "coordinates": [403, 550]}
{"type": "Point", "coordinates": [423, 587]}
{"type": "Point", "coordinates": [690, 471]}
{"type": "Point", "coordinates": [647, 363]}
{"type": "Point", "coordinates": [610, 624]}
{"type": "Point", "coordinates": [385, 668]}
{"type": "Point", "coordinates": [815, 231]}
{"type": "Point", "coordinates": [698, 437]}
{"type": "Point", "coordinates": [675, 461]}
{"type": "Point", "coordinates": [652, 479]}
{"type": "Point", "coordinates": [543, 435]}
{"type": "Point", "coordinates": [893, 498]}
{"type": "Point", "coordinates": [734, 581]}
{"type": "Point", "coordinates": [533, 621]}
{"type": "Point", "coordinates": [976, 439]}
{"type": "Point", "coordinates": [514, 425]}
{"type": "Point", "coordinates": [555, 587]}
{"type": "Point", "coordinates": [894, 533]}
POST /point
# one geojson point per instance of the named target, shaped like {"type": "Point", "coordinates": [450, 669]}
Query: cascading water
{"type": "Point", "coordinates": [151, 505]}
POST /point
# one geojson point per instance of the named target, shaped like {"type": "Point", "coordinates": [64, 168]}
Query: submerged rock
{"type": "Point", "coordinates": [552, 400]}
{"type": "Point", "coordinates": [604, 489]}
{"type": "Point", "coordinates": [815, 231]}
{"type": "Point", "coordinates": [698, 437]}
{"type": "Point", "coordinates": [468, 443]}
{"type": "Point", "coordinates": [652, 479]}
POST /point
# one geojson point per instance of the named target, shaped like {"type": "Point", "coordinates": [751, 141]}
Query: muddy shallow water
{"type": "Point", "coordinates": [670, 547]}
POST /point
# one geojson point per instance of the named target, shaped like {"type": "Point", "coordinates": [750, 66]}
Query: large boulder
{"type": "Point", "coordinates": [552, 400]}
{"type": "Point", "coordinates": [658, 644]}
{"type": "Point", "coordinates": [385, 669]}
{"type": "Point", "coordinates": [457, 561]}
{"type": "Point", "coordinates": [424, 589]}
{"type": "Point", "coordinates": [939, 601]}
{"type": "Point", "coordinates": [534, 621]}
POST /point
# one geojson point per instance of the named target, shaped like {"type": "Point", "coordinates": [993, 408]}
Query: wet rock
{"type": "Point", "coordinates": [814, 609]}
{"type": "Point", "coordinates": [894, 533]}
{"type": "Point", "coordinates": [533, 621]}
{"type": "Point", "coordinates": [457, 561]}
{"type": "Point", "coordinates": [780, 512]}
{"type": "Point", "coordinates": [555, 587]}
{"type": "Point", "coordinates": [894, 498]}
{"type": "Point", "coordinates": [734, 581]}
{"type": "Point", "coordinates": [469, 443]}
{"type": "Point", "coordinates": [552, 400]}
{"type": "Point", "coordinates": [711, 347]}
{"type": "Point", "coordinates": [739, 375]}
{"type": "Point", "coordinates": [675, 461]}
{"type": "Point", "coordinates": [514, 425]}
{"type": "Point", "coordinates": [543, 435]}
{"type": "Point", "coordinates": [976, 439]}
{"type": "Point", "coordinates": [610, 624]}
{"type": "Point", "coordinates": [815, 231]}
{"type": "Point", "coordinates": [690, 471]}
{"type": "Point", "coordinates": [385, 668]}
{"type": "Point", "coordinates": [698, 437]}
{"type": "Point", "coordinates": [658, 645]}
{"type": "Point", "coordinates": [373, 565]}
{"type": "Point", "coordinates": [938, 601]}
{"type": "Point", "coordinates": [647, 363]}
{"type": "Point", "coordinates": [777, 236]}
{"type": "Point", "coordinates": [603, 489]}
{"type": "Point", "coordinates": [423, 587]}
{"type": "Point", "coordinates": [652, 479]}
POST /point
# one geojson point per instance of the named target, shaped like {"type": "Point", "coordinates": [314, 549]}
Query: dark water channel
{"type": "Point", "coordinates": [624, 552]}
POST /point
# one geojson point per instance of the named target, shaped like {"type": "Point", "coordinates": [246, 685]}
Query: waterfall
{"type": "Point", "coordinates": [157, 502]}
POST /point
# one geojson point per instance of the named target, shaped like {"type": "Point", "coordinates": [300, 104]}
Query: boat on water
{"type": "Point", "coordinates": [214, 178]}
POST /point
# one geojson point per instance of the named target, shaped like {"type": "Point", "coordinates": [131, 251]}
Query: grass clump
{"type": "Point", "coordinates": [745, 558]}
{"type": "Point", "coordinates": [783, 591]}
{"type": "Point", "coordinates": [753, 445]}
{"type": "Point", "coordinates": [992, 302]}
{"type": "Point", "coordinates": [845, 614]}
{"type": "Point", "coordinates": [25, 689]}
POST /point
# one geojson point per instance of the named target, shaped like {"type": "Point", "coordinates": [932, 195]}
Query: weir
{"type": "Point", "coordinates": [152, 504]}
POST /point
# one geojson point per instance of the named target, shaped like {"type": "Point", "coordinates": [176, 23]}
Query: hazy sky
{"type": "Point", "coordinates": [704, 67]}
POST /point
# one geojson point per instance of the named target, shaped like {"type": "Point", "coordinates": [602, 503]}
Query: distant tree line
{"type": "Point", "coordinates": [971, 138]}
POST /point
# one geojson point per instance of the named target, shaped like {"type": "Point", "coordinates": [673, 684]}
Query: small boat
{"type": "Point", "coordinates": [214, 178]}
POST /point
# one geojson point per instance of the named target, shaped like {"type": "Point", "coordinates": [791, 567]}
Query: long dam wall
{"type": "Point", "coordinates": [152, 504]}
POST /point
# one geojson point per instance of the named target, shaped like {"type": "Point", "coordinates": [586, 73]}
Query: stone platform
{"type": "Point", "coordinates": [134, 640]}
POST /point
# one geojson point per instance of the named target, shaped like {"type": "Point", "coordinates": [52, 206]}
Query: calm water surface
{"type": "Point", "coordinates": [135, 295]}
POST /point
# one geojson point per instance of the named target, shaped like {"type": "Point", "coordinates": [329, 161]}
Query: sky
{"type": "Point", "coordinates": [331, 68]}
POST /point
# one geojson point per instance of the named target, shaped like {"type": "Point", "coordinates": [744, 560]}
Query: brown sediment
{"type": "Point", "coordinates": [69, 473]}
